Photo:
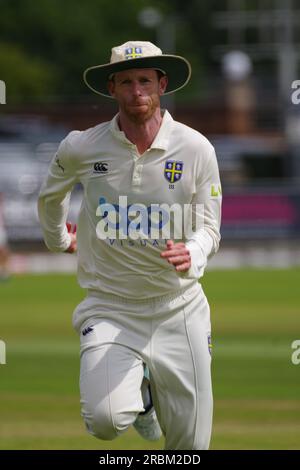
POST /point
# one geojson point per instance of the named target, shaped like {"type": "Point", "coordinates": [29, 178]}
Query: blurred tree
{"type": "Point", "coordinates": [195, 35]}
{"type": "Point", "coordinates": [46, 44]}
{"type": "Point", "coordinates": [27, 79]}
{"type": "Point", "coordinates": [60, 39]}
{"type": "Point", "coordinates": [199, 32]}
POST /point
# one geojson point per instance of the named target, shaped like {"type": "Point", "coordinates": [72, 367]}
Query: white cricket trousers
{"type": "Point", "coordinates": [171, 335]}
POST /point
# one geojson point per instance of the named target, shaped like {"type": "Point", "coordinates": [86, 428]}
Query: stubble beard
{"type": "Point", "coordinates": [143, 116]}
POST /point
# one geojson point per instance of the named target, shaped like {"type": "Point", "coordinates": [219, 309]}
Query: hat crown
{"type": "Point", "coordinates": [134, 50]}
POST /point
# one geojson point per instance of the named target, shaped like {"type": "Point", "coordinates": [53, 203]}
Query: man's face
{"type": "Point", "coordinates": [138, 92]}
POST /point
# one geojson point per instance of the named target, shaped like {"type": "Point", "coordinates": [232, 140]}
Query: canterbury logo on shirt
{"type": "Point", "coordinates": [87, 330]}
{"type": "Point", "coordinates": [101, 167]}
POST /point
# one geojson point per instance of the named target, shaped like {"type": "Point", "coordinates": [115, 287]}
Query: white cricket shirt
{"type": "Point", "coordinates": [179, 168]}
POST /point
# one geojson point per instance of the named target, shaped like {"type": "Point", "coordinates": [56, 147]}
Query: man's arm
{"type": "Point", "coordinates": [190, 257]}
{"type": "Point", "coordinates": [54, 199]}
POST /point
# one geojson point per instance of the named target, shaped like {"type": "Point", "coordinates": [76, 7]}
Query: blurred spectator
{"type": "Point", "coordinates": [240, 94]}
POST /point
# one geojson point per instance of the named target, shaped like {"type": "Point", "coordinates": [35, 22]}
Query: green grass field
{"type": "Point", "coordinates": [255, 318]}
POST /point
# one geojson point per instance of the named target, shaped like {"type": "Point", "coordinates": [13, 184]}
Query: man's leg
{"type": "Point", "coordinates": [111, 375]}
{"type": "Point", "coordinates": [181, 374]}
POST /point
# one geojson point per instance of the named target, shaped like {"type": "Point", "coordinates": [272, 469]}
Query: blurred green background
{"type": "Point", "coordinates": [46, 45]}
{"type": "Point", "coordinates": [255, 315]}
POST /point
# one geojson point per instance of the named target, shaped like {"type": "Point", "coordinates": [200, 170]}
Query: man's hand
{"type": "Point", "coordinates": [72, 231]}
{"type": "Point", "coordinates": [178, 255]}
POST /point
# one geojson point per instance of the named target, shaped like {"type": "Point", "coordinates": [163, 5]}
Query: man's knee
{"type": "Point", "coordinates": [105, 424]}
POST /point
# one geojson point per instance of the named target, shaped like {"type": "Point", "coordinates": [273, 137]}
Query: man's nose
{"type": "Point", "coordinates": [136, 88]}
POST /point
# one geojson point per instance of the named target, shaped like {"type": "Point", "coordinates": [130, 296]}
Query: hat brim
{"type": "Point", "coordinates": [177, 69]}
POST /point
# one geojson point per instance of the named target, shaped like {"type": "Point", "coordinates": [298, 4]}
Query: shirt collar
{"type": "Point", "coordinates": [161, 140]}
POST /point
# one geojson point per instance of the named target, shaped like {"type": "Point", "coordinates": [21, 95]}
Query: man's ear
{"type": "Point", "coordinates": [111, 87]}
{"type": "Point", "coordinates": [163, 83]}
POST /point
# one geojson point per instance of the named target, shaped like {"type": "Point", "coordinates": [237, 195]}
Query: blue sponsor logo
{"type": "Point", "coordinates": [130, 221]}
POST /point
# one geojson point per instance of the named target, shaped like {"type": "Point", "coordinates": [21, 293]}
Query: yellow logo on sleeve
{"type": "Point", "coordinates": [215, 190]}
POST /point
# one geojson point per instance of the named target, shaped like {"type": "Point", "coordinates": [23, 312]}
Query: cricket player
{"type": "Point", "coordinates": [149, 221]}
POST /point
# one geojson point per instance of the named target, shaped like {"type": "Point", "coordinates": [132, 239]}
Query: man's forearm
{"type": "Point", "coordinates": [54, 198]}
{"type": "Point", "coordinates": [53, 215]}
{"type": "Point", "coordinates": [201, 247]}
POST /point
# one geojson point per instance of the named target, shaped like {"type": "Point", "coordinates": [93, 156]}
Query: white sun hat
{"type": "Point", "coordinates": [139, 55]}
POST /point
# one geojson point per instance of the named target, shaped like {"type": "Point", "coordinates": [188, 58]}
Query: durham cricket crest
{"type": "Point", "coordinates": [173, 171]}
{"type": "Point", "coordinates": [133, 53]}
